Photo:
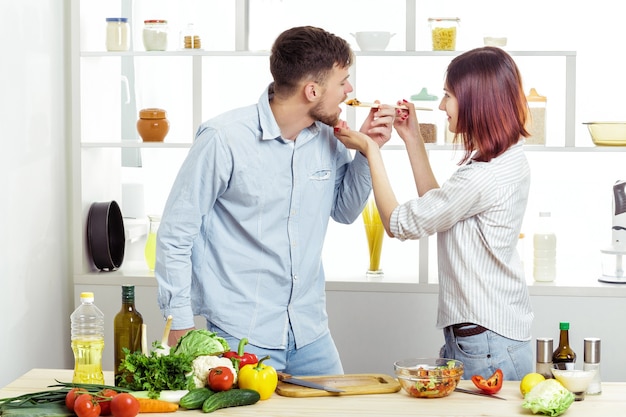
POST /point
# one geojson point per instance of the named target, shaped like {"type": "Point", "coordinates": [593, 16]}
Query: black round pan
{"type": "Point", "coordinates": [105, 234]}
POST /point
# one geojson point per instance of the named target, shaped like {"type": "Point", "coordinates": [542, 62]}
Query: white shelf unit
{"type": "Point", "coordinates": [96, 160]}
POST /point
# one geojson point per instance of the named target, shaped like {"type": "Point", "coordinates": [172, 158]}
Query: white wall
{"type": "Point", "coordinates": [34, 243]}
{"type": "Point", "coordinates": [35, 280]}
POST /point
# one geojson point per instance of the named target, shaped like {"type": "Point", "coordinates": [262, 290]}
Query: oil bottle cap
{"type": "Point", "coordinates": [86, 296]}
{"type": "Point", "coordinates": [592, 350]}
{"type": "Point", "coordinates": [564, 325]}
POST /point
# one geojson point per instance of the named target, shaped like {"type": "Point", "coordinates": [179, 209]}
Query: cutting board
{"type": "Point", "coordinates": [352, 384]}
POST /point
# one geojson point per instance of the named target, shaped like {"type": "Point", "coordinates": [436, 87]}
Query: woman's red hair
{"type": "Point", "coordinates": [492, 105]}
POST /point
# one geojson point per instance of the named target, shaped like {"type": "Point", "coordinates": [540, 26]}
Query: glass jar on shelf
{"type": "Point", "coordinates": [189, 38]}
{"type": "Point", "coordinates": [444, 32]}
{"type": "Point", "coordinates": [155, 35]}
{"type": "Point", "coordinates": [117, 34]}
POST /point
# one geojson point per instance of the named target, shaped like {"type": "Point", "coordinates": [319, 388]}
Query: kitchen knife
{"type": "Point", "coordinates": [286, 378]}
{"type": "Point", "coordinates": [483, 394]}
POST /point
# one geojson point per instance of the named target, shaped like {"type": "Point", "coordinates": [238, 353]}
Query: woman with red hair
{"type": "Point", "coordinates": [484, 307]}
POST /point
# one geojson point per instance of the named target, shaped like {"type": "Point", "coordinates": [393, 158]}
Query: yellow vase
{"type": "Point", "coordinates": [374, 230]}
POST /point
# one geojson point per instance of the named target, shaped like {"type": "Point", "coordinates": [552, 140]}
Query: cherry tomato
{"type": "Point", "coordinates": [70, 397]}
{"type": "Point", "coordinates": [105, 403]}
{"type": "Point", "coordinates": [124, 405]}
{"type": "Point", "coordinates": [490, 385]}
{"type": "Point", "coordinates": [86, 406]}
{"type": "Point", "coordinates": [220, 378]}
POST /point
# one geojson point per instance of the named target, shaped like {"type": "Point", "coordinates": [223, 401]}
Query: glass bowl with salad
{"type": "Point", "coordinates": [428, 377]}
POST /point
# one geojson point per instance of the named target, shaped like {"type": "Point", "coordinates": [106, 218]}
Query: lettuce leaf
{"type": "Point", "coordinates": [548, 397]}
{"type": "Point", "coordinates": [200, 342]}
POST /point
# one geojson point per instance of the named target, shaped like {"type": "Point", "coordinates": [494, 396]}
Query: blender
{"type": "Point", "coordinates": [612, 266]}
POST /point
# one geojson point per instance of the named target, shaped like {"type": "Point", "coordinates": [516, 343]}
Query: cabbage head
{"type": "Point", "coordinates": [199, 342]}
{"type": "Point", "coordinates": [548, 397]}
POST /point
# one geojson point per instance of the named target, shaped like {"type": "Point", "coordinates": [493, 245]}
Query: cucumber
{"type": "Point", "coordinates": [231, 398]}
{"type": "Point", "coordinates": [194, 399]}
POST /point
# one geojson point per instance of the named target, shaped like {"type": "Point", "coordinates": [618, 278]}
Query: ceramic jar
{"type": "Point", "coordinates": [153, 125]}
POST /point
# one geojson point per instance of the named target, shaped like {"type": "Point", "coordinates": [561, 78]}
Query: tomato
{"type": "Point", "coordinates": [220, 378]}
{"type": "Point", "coordinates": [490, 385]}
{"type": "Point", "coordinates": [124, 405]}
{"type": "Point", "coordinates": [70, 397]}
{"type": "Point", "coordinates": [105, 404]}
{"type": "Point", "coordinates": [86, 406]}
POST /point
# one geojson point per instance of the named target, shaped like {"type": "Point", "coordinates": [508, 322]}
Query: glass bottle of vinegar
{"type": "Point", "coordinates": [564, 356]}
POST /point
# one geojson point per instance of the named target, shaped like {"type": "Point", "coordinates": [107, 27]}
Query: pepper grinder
{"type": "Point", "coordinates": [592, 362]}
{"type": "Point", "coordinates": [544, 356]}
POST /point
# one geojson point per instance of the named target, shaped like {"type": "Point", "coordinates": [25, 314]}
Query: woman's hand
{"type": "Point", "coordinates": [406, 123]}
{"type": "Point", "coordinates": [378, 124]}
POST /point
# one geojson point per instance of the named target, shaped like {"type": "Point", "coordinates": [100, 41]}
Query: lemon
{"type": "Point", "coordinates": [529, 381]}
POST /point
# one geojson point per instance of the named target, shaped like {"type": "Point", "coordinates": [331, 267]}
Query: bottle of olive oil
{"type": "Point", "coordinates": [564, 356]}
{"type": "Point", "coordinates": [126, 328]}
{"type": "Point", "coordinates": [87, 329]}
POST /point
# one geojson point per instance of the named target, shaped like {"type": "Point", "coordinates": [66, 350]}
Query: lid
{"type": "Point", "coordinates": [152, 22]}
{"type": "Point", "coordinates": [444, 19]}
{"type": "Point", "coordinates": [128, 293]}
{"type": "Point", "coordinates": [592, 350]}
{"type": "Point", "coordinates": [152, 113]}
{"type": "Point", "coordinates": [423, 96]}
{"type": "Point", "coordinates": [86, 296]}
{"type": "Point", "coordinates": [544, 349]}
{"type": "Point", "coordinates": [117, 19]}
{"type": "Point", "coordinates": [564, 325]}
{"type": "Point", "coordinates": [535, 97]}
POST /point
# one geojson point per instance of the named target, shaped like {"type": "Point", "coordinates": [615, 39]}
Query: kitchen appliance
{"type": "Point", "coordinates": [612, 257]}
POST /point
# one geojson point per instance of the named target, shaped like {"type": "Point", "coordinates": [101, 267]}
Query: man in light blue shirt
{"type": "Point", "coordinates": [241, 236]}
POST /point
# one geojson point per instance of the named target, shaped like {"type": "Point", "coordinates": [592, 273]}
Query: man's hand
{"type": "Point", "coordinates": [378, 124]}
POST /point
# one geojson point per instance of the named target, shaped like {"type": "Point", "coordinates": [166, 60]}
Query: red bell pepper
{"type": "Point", "coordinates": [490, 385]}
{"type": "Point", "coordinates": [241, 358]}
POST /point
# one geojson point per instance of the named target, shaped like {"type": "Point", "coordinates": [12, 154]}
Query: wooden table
{"type": "Point", "coordinates": [612, 402]}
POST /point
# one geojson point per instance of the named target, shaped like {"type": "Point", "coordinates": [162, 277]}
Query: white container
{"type": "Point", "coordinates": [117, 34]}
{"type": "Point", "coordinates": [544, 244]}
{"type": "Point", "coordinates": [155, 35]}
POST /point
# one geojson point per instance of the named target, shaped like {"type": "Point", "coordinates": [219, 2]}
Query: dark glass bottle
{"type": "Point", "coordinates": [126, 328]}
{"type": "Point", "coordinates": [564, 356]}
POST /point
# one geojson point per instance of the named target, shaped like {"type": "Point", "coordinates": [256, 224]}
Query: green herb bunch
{"type": "Point", "coordinates": [155, 372]}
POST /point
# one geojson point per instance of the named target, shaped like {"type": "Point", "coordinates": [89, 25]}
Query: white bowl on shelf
{"type": "Point", "coordinates": [373, 40]}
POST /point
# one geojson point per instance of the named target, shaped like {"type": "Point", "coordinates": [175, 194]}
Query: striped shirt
{"type": "Point", "coordinates": [477, 215]}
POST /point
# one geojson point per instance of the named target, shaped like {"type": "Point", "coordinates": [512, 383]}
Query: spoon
{"type": "Point", "coordinates": [165, 349]}
{"type": "Point", "coordinates": [357, 103]}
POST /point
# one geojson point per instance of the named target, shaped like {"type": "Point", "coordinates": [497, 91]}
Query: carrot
{"type": "Point", "coordinates": [148, 405]}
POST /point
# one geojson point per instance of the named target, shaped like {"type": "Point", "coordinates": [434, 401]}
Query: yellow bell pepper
{"type": "Point", "coordinates": [258, 377]}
